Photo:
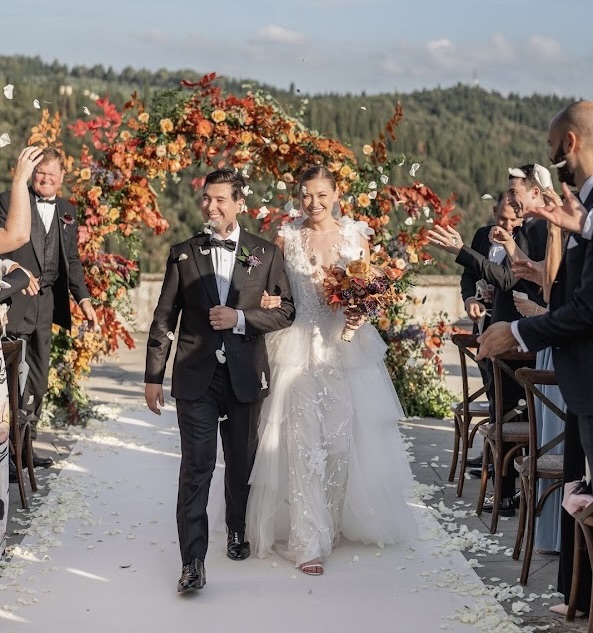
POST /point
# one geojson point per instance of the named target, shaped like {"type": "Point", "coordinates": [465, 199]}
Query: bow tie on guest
{"type": "Point", "coordinates": [229, 245]}
{"type": "Point", "coordinates": [47, 200]}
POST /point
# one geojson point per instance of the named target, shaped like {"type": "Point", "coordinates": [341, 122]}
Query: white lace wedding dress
{"type": "Point", "coordinates": [330, 460]}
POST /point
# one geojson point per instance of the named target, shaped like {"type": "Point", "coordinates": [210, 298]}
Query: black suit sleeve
{"type": "Point", "coordinates": [165, 319]}
{"type": "Point", "coordinates": [76, 283]}
{"type": "Point", "coordinates": [570, 322]}
{"type": "Point", "coordinates": [469, 277]}
{"type": "Point", "coordinates": [260, 321]}
{"type": "Point", "coordinates": [532, 241]}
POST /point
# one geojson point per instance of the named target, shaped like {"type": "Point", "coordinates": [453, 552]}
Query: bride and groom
{"type": "Point", "coordinates": [329, 457]}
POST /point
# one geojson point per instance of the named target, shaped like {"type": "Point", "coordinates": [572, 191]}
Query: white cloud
{"type": "Point", "coordinates": [438, 46]}
{"type": "Point", "coordinates": [544, 47]}
{"type": "Point", "coordinates": [279, 35]}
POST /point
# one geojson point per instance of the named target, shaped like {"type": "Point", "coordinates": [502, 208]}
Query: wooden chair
{"type": "Point", "coordinates": [502, 431]}
{"type": "Point", "coordinates": [583, 530]}
{"type": "Point", "coordinates": [537, 464]}
{"type": "Point", "coordinates": [20, 428]}
{"type": "Point", "coordinates": [466, 410]}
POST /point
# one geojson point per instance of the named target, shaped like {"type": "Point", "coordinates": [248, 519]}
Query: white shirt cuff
{"type": "Point", "coordinates": [517, 335]}
{"type": "Point", "coordinates": [6, 264]}
{"type": "Point", "coordinates": [588, 226]}
{"type": "Point", "coordinates": [240, 327]}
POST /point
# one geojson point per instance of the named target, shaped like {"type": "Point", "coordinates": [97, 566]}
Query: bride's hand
{"type": "Point", "coordinates": [354, 319]}
{"type": "Point", "coordinates": [269, 302]}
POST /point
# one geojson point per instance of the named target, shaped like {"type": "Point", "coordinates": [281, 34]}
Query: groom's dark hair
{"type": "Point", "coordinates": [530, 181]}
{"type": "Point", "coordinates": [229, 176]}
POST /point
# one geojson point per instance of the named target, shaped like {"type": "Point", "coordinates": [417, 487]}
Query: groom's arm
{"type": "Point", "coordinates": [164, 321]}
{"type": "Point", "coordinates": [260, 321]}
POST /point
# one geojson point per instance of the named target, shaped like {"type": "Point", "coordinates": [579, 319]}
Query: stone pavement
{"type": "Point", "coordinates": [121, 382]}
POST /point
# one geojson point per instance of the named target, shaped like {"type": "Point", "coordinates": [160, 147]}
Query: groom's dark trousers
{"type": "Point", "coordinates": [198, 425]}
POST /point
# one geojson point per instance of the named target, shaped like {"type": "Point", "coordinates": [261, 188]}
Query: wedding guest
{"type": "Point", "coordinates": [52, 257]}
{"type": "Point", "coordinates": [16, 232]}
{"type": "Point", "coordinates": [567, 327]}
{"type": "Point", "coordinates": [523, 190]}
{"type": "Point", "coordinates": [479, 308]}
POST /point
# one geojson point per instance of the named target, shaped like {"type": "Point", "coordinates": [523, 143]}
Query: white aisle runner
{"type": "Point", "coordinates": [102, 557]}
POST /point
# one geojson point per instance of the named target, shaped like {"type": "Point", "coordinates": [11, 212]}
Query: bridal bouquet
{"type": "Point", "coordinates": [361, 287]}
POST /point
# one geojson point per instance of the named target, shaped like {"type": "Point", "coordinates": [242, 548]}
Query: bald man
{"type": "Point", "coordinates": [568, 326]}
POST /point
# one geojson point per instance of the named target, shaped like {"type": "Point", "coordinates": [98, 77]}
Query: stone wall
{"type": "Point", "coordinates": [439, 292]}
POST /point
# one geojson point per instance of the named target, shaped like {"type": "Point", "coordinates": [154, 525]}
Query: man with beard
{"type": "Point", "coordinates": [568, 326]}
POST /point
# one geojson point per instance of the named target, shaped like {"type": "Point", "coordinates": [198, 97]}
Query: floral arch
{"type": "Point", "coordinates": [112, 188]}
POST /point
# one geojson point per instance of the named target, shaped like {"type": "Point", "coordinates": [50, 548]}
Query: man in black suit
{"type": "Point", "coordinates": [216, 280]}
{"type": "Point", "coordinates": [479, 308]}
{"type": "Point", "coordinates": [52, 258]}
{"type": "Point", "coordinates": [568, 326]}
{"type": "Point", "coordinates": [506, 217]}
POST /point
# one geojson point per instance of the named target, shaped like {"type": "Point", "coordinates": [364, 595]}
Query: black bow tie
{"type": "Point", "coordinates": [230, 245]}
{"type": "Point", "coordinates": [47, 201]}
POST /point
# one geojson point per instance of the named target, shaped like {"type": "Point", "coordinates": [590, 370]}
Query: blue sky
{"type": "Point", "coordinates": [523, 46]}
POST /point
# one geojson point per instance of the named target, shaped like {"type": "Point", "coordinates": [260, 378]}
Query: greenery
{"type": "Point", "coordinates": [464, 137]}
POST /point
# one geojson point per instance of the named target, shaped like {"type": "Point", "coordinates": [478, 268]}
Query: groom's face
{"type": "Point", "coordinates": [219, 208]}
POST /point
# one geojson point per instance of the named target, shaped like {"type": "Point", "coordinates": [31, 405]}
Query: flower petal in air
{"type": "Point", "coordinates": [413, 169]}
{"type": "Point", "coordinates": [8, 89]}
{"type": "Point", "coordinates": [36, 104]}
{"type": "Point", "coordinates": [220, 356]}
{"type": "Point", "coordinates": [515, 172]}
{"type": "Point", "coordinates": [263, 213]}
{"type": "Point", "coordinates": [4, 139]}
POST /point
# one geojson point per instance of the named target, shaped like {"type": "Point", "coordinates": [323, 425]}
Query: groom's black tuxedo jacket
{"type": "Point", "coordinates": [30, 256]}
{"type": "Point", "coordinates": [189, 288]}
{"type": "Point", "coordinates": [568, 327]}
{"type": "Point", "coordinates": [531, 238]}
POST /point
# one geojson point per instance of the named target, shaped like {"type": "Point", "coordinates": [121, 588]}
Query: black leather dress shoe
{"type": "Point", "coordinates": [475, 461]}
{"type": "Point", "coordinates": [193, 576]}
{"type": "Point", "coordinates": [237, 548]}
{"type": "Point", "coordinates": [477, 472]}
{"type": "Point", "coordinates": [507, 507]}
{"type": "Point", "coordinates": [40, 462]}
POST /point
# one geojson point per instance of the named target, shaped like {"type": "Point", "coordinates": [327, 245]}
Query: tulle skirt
{"type": "Point", "coordinates": [330, 460]}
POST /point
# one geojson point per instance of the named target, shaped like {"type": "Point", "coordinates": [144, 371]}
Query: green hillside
{"type": "Point", "coordinates": [464, 137]}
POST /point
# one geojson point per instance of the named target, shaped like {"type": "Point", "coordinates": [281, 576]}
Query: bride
{"type": "Point", "coordinates": [330, 461]}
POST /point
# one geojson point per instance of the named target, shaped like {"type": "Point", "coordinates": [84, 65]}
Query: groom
{"type": "Point", "coordinates": [216, 280]}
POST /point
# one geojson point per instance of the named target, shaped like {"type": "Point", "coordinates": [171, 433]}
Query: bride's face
{"type": "Point", "coordinates": [317, 199]}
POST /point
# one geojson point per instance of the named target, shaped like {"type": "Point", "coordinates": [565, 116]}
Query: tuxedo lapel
{"type": "Point", "coordinates": [61, 229]}
{"type": "Point", "coordinates": [201, 251]}
{"type": "Point", "coordinates": [37, 232]}
{"type": "Point", "coordinates": [240, 271]}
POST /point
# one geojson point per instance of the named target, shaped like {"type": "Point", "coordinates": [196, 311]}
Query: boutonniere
{"type": "Point", "coordinates": [248, 259]}
{"type": "Point", "coordinates": [67, 219]}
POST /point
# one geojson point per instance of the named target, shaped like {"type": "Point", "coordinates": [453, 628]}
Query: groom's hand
{"type": "Point", "coordinates": [153, 394]}
{"type": "Point", "coordinates": [223, 318]}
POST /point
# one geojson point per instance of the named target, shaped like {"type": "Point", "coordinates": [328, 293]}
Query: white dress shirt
{"type": "Point", "coordinates": [224, 264]}
{"type": "Point", "coordinates": [583, 195]}
{"type": "Point", "coordinates": [46, 211]}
